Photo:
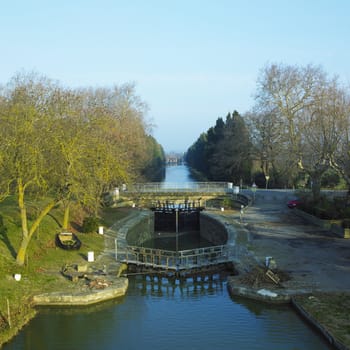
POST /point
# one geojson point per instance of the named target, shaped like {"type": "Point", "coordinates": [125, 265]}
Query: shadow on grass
{"type": "Point", "coordinates": [55, 219]}
{"type": "Point", "coordinates": [4, 238]}
{"type": "Point", "coordinates": [76, 227]}
{"type": "Point", "coordinates": [84, 256]}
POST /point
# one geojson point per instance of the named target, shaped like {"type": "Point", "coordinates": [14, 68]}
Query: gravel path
{"type": "Point", "coordinates": [316, 259]}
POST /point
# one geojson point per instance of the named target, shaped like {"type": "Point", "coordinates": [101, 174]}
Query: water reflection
{"type": "Point", "coordinates": [171, 287]}
{"type": "Point", "coordinates": [82, 310]}
{"type": "Point", "coordinates": [158, 314]}
{"type": "Point", "coordinates": [177, 174]}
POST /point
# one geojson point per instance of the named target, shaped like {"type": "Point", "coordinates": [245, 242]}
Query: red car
{"type": "Point", "coordinates": [293, 203]}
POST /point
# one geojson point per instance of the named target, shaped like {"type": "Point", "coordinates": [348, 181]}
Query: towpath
{"type": "Point", "coordinates": [316, 259]}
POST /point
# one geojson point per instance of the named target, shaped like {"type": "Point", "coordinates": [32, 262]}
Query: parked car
{"type": "Point", "coordinates": [293, 203]}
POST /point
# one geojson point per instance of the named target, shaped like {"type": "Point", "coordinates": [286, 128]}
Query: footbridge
{"type": "Point", "coordinates": [183, 187]}
{"type": "Point", "coordinates": [176, 260]}
{"type": "Point", "coordinates": [144, 194]}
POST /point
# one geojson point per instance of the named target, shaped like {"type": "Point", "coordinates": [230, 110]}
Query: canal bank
{"type": "Point", "coordinates": [251, 249]}
{"type": "Point", "coordinates": [313, 263]}
{"type": "Point", "coordinates": [206, 302]}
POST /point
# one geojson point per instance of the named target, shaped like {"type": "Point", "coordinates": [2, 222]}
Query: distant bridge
{"type": "Point", "coordinates": [146, 193]}
{"type": "Point", "coordinates": [198, 187]}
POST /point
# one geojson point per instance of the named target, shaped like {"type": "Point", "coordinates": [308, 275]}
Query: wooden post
{"type": "Point", "coordinates": [8, 313]}
{"type": "Point", "coordinates": [177, 229]}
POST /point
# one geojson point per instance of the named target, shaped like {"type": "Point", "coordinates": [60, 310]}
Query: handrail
{"type": "Point", "coordinates": [172, 260]}
{"type": "Point", "coordinates": [179, 187]}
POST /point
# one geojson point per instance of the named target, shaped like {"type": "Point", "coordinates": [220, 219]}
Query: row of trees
{"type": "Point", "coordinates": [299, 128]}
{"type": "Point", "coordinates": [60, 145]}
{"type": "Point", "coordinates": [223, 152]}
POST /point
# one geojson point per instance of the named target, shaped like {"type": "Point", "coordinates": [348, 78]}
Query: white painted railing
{"type": "Point", "coordinates": [172, 260]}
{"type": "Point", "coordinates": [220, 187]}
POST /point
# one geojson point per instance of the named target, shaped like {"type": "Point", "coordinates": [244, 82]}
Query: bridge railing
{"type": "Point", "coordinates": [172, 260]}
{"type": "Point", "coordinates": [220, 187]}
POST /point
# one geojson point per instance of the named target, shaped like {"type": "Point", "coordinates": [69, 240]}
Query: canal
{"type": "Point", "coordinates": [170, 315]}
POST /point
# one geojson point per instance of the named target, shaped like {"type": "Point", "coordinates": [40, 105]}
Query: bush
{"type": "Point", "coordinates": [227, 203]}
{"type": "Point", "coordinates": [90, 224]}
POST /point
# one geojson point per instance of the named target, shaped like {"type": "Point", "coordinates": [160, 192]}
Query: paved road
{"type": "Point", "coordinates": [315, 258]}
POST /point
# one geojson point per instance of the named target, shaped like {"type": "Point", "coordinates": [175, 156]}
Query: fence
{"type": "Point", "coordinates": [210, 187]}
{"type": "Point", "coordinates": [172, 260]}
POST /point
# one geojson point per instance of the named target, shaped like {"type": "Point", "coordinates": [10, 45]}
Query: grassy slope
{"type": "Point", "coordinates": [44, 262]}
{"type": "Point", "coordinates": [331, 311]}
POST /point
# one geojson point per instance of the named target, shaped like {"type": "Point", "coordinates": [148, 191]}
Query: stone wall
{"type": "Point", "coordinates": [212, 230]}
{"type": "Point", "coordinates": [334, 226]}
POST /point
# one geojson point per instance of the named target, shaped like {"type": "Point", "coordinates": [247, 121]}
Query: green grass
{"type": "Point", "coordinates": [331, 310]}
{"type": "Point", "coordinates": [41, 272]}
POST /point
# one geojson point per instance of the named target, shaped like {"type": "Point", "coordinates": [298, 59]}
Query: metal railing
{"type": "Point", "coordinates": [219, 187]}
{"type": "Point", "coordinates": [172, 260]}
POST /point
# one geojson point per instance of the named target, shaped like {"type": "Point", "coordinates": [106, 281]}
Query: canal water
{"type": "Point", "coordinates": [162, 314]}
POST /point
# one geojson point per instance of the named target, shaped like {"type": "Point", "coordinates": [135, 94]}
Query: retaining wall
{"type": "Point", "coordinates": [117, 289]}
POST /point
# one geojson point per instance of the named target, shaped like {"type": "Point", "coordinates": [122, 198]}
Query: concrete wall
{"type": "Point", "coordinates": [334, 226]}
{"type": "Point", "coordinates": [212, 230]}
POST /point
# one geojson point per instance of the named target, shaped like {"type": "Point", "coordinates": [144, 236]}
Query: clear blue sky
{"type": "Point", "coordinates": [192, 61]}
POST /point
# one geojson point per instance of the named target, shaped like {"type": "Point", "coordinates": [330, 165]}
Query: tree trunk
{"type": "Point", "coordinates": [24, 222]}
{"type": "Point", "coordinates": [66, 217]}
{"type": "Point", "coordinates": [22, 251]}
{"type": "Point", "coordinates": [316, 187]}
{"type": "Point", "coordinates": [27, 235]}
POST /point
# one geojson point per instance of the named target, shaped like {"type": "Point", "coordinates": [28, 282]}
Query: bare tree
{"type": "Point", "coordinates": [298, 96]}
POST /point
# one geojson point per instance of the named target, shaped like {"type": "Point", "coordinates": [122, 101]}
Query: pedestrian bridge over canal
{"type": "Point", "coordinates": [145, 194]}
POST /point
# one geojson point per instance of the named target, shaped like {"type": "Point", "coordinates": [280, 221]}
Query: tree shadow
{"type": "Point", "coordinates": [76, 226]}
{"type": "Point", "coordinates": [4, 238]}
{"type": "Point", "coordinates": [55, 219]}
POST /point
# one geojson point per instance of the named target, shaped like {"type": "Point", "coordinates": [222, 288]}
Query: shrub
{"type": "Point", "coordinates": [90, 224]}
{"type": "Point", "coordinates": [227, 203]}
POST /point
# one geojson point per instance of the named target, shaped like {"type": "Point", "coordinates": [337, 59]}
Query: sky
{"type": "Point", "coordinates": [192, 61]}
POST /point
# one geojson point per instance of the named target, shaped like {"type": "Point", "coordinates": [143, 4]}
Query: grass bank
{"type": "Point", "coordinates": [329, 312]}
{"type": "Point", "coordinates": [41, 273]}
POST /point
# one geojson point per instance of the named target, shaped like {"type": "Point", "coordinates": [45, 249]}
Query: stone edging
{"type": "Point", "coordinates": [260, 294]}
{"type": "Point", "coordinates": [331, 225]}
{"type": "Point", "coordinates": [319, 327]}
{"type": "Point", "coordinates": [118, 289]}
{"type": "Point", "coordinates": [279, 297]}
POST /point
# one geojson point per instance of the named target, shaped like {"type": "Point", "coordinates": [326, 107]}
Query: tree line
{"type": "Point", "coordinates": [296, 134]}
{"type": "Point", "coordinates": [60, 145]}
{"type": "Point", "coordinates": [223, 152]}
